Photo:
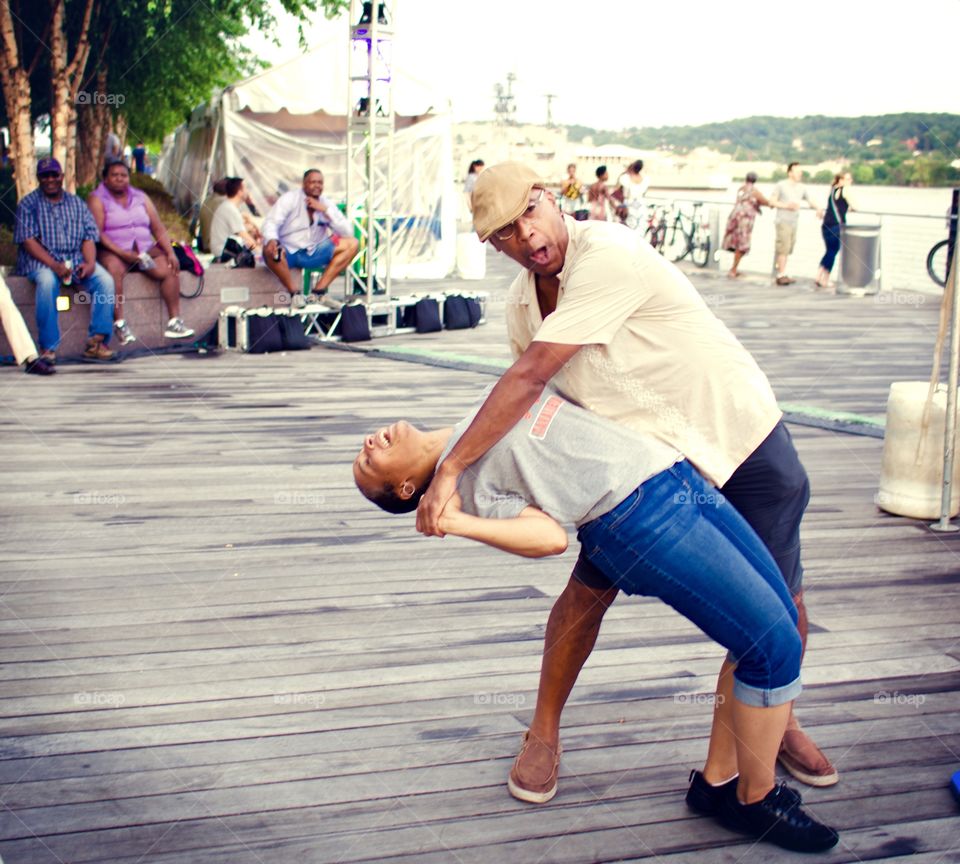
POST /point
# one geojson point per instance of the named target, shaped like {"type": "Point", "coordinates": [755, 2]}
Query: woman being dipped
{"type": "Point", "coordinates": [132, 237]}
{"type": "Point", "coordinates": [653, 525]}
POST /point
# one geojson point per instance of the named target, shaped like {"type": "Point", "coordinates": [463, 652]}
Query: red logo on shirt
{"type": "Point", "coordinates": [545, 417]}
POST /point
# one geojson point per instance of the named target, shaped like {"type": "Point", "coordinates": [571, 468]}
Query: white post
{"type": "Point", "coordinates": [950, 422]}
{"type": "Point", "coordinates": [713, 260]}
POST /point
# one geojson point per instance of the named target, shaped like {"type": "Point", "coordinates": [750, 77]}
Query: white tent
{"type": "Point", "coordinates": [270, 128]}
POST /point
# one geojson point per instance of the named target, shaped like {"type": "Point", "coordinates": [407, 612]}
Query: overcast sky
{"type": "Point", "coordinates": [625, 63]}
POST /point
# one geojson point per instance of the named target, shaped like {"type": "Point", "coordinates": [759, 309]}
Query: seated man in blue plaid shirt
{"type": "Point", "coordinates": [57, 240]}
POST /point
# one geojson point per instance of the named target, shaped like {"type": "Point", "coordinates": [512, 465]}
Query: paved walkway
{"type": "Point", "coordinates": [213, 650]}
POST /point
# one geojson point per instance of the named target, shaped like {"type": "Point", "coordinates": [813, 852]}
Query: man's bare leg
{"type": "Point", "coordinates": [280, 269]}
{"type": "Point", "coordinates": [344, 253]}
{"type": "Point", "coordinates": [798, 754]}
{"type": "Point", "coordinates": [572, 630]}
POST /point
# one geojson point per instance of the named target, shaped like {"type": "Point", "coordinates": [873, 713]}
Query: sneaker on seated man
{"type": "Point", "coordinates": [304, 230]}
{"type": "Point", "coordinates": [56, 237]}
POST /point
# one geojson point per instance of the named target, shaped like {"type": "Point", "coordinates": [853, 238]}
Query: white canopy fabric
{"type": "Point", "coordinates": [270, 128]}
{"type": "Point", "coordinates": [319, 80]}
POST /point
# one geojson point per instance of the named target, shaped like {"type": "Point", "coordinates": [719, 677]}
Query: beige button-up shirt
{"type": "Point", "coordinates": [655, 357]}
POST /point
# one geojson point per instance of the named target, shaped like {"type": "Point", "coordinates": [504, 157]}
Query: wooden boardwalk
{"type": "Point", "coordinates": [213, 650]}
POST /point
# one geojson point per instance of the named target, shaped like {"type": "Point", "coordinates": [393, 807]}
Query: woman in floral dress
{"type": "Point", "coordinates": [736, 239]}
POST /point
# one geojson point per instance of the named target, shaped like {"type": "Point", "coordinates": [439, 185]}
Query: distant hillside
{"type": "Point", "coordinates": [892, 145]}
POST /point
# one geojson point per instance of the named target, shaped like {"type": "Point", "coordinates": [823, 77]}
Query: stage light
{"type": "Point", "coordinates": [366, 16]}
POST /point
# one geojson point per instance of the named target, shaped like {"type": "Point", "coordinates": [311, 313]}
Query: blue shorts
{"type": "Point", "coordinates": [318, 259]}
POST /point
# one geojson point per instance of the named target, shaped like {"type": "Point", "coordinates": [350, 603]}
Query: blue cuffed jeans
{"type": "Point", "coordinates": [97, 290]}
{"type": "Point", "coordinates": [677, 538]}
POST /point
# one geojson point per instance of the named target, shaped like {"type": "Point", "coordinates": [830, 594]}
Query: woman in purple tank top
{"type": "Point", "coordinates": [132, 237]}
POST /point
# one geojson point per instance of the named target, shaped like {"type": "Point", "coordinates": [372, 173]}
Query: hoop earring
{"type": "Point", "coordinates": [407, 489]}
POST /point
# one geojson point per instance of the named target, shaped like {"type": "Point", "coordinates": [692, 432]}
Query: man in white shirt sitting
{"type": "Point", "coordinates": [305, 229]}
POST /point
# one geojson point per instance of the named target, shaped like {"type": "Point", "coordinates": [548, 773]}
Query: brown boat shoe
{"type": "Point", "coordinates": [533, 777]}
{"type": "Point", "coordinates": [97, 352]}
{"type": "Point", "coordinates": [804, 760]}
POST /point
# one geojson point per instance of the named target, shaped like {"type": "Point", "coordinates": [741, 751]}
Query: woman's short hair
{"type": "Point", "coordinates": [751, 177]}
{"type": "Point", "coordinates": [601, 171]}
{"type": "Point", "coordinates": [386, 498]}
{"type": "Point", "coordinates": [112, 163]}
{"type": "Point", "coordinates": [232, 186]}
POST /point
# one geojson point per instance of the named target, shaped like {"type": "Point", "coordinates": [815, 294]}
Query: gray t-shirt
{"type": "Point", "coordinates": [227, 222]}
{"type": "Point", "coordinates": [788, 192]}
{"type": "Point", "coordinates": [572, 464]}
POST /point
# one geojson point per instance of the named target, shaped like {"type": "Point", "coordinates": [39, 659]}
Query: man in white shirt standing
{"type": "Point", "coordinates": [305, 229]}
{"type": "Point", "coordinates": [787, 197]}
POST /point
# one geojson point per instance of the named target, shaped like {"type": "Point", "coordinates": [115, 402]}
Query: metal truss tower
{"type": "Point", "coordinates": [370, 128]}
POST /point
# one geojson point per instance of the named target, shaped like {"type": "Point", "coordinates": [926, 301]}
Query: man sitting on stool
{"type": "Point", "coordinates": [305, 229]}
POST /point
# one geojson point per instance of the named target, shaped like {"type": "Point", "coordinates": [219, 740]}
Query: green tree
{"type": "Point", "coordinates": [148, 62]}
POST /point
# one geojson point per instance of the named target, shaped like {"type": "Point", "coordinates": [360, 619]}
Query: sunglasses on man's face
{"type": "Point", "coordinates": [53, 174]}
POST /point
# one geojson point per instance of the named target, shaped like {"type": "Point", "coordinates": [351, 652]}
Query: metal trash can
{"type": "Point", "coordinates": [859, 260]}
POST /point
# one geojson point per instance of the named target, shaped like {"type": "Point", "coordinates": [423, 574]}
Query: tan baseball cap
{"type": "Point", "coordinates": [501, 194]}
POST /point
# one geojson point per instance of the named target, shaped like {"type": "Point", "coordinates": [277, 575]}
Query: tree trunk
{"type": "Point", "coordinates": [93, 123]}
{"type": "Point", "coordinates": [16, 95]}
{"type": "Point", "coordinates": [65, 79]}
{"type": "Point", "coordinates": [60, 88]}
{"type": "Point", "coordinates": [86, 142]}
{"type": "Point", "coordinates": [121, 127]}
{"type": "Point", "coordinates": [70, 165]}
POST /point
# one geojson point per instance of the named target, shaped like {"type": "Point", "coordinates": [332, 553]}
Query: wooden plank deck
{"type": "Point", "coordinates": [212, 650]}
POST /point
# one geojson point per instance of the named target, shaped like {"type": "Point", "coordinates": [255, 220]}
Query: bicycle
{"type": "Point", "coordinates": [656, 232]}
{"type": "Point", "coordinates": [690, 237]}
{"type": "Point", "coordinates": [938, 262]}
{"type": "Point", "coordinates": [633, 218]}
{"type": "Point", "coordinates": [941, 254]}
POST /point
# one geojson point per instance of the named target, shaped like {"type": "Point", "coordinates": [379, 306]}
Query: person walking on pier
{"type": "Point", "coordinates": [787, 197]}
{"type": "Point", "coordinates": [599, 199]}
{"type": "Point", "coordinates": [834, 217]}
{"type": "Point", "coordinates": [739, 230]}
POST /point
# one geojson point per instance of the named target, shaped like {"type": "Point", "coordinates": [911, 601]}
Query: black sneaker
{"type": "Point", "coordinates": [704, 798]}
{"type": "Point", "coordinates": [777, 819]}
